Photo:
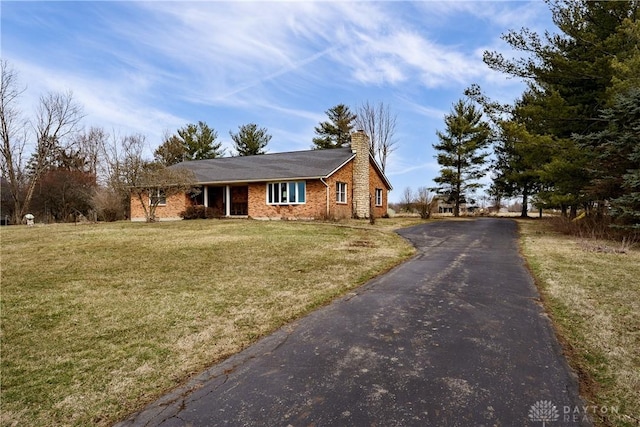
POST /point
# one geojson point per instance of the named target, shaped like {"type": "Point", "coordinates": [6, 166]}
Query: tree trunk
{"type": "Point", "coordinates": [600, 210]}
{"type": "Point", "coordinates": [525, 203]}
{"type": "Point", "coordinates": [456, 207]}
{"type": "Point", "coordinates": [147, 213]}
{"type": "Point", "coordinates": [26, 204]}
{"type": "Point", "coordinates": [372, 219]}
{"type": "Point", "coordinates": [563, 210]}
{"type": "Point", "coordinates": [574, 211]}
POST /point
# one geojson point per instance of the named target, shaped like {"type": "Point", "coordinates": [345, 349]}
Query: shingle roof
{"type": "Point", "coordinates": [269, 167]}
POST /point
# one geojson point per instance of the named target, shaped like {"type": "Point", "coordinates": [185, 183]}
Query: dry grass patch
{"type": "Point", "coordinates": [99, 319]}
{"type": "Point", "coordinates": [594, 300]}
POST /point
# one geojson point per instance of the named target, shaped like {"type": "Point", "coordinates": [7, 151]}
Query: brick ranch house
{"type": "Point", "coordinates": [339, 183]}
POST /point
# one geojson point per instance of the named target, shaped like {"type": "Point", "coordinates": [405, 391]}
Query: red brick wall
{"type": "Point", "coordinates": [375, 181]}
{"type": "Point", "coordinates": [341, 210]}
{"type": "Point", "coordinates": [313, 208]}
{"type": "Point", "coordinates": [171, 211]}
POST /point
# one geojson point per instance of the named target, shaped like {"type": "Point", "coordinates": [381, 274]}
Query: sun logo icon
{"type": "Point", "coordinates": [543, 411]}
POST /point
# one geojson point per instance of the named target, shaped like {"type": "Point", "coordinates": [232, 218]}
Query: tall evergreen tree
{"type": "Point", "coordinates": [191, 142]}
{"type": "Point", "coordinates": [250, 140]}
{"type": "Point", "coordinates": [618, 157]}
{"type": "Point", "coordinates": [518, 159]}
{"type": "Point", "coordinates": [460, 153]}
{"type": "Point", "coordinates": [200, 142]}
{"type": "Point", "coordinates": [335, 132]}
{"type": "Point", "coordinates": [626, 63]}
{"type": "Point", "coordinates": [570, 75]}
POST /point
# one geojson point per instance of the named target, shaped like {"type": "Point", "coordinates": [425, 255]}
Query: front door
{"type": "Point", "coordinates": [240, 200]}
{"type": "Point", "coordinates": [215, 199]}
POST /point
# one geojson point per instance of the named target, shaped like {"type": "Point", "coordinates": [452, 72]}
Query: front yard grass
{"type": "Point", "coordinates": [594, 300]}
{"type": "Point", "coordinates": [99, 319]}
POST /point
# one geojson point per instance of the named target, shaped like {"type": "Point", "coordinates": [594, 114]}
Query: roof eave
{"type": "Point", "coordinates": [251, 181]}
{"type": "Point", "coordinates": [341, 166]}
{"type": "Point", "coordinates": [380, 172]}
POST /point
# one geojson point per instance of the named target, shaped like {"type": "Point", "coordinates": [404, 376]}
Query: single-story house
{"type": "Point", "coordinates": [443, 207]}
{"type": "Point", "coordinates": [331, 183]}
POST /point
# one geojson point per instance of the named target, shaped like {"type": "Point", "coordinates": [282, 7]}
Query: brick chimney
{"type": "Point", "coordinates": [360, 146]}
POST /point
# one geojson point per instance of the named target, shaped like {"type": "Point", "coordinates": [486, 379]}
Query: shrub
{"type": "Point", "coordinates": [108, 204]}
{"type": "Point", "coordinates": [199, 212]}
{"type": "Point", "coordinates": [594, 227]}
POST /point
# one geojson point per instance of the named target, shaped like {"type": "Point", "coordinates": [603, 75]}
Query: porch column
{"type": "Point", "coordinates": [206, 196]}
{"type": "Point", "coordinates": [227, 206]}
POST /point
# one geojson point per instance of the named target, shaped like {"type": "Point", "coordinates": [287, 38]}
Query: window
{"type": "Point", "coordinates": [378, 196]}
{"type": "Point", "coordinates": [286, 193]}
{"type": "Point", "coordinates": [158, 197]}
{"type": "Point", "coordinates": [341, 192]}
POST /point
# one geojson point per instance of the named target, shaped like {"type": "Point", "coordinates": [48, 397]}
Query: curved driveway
{"type": "Point", "coordinates": [453, 337]}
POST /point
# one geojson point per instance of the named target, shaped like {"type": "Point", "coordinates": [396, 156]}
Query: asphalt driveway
{"type": "Point", "coordinates": [453, 337]}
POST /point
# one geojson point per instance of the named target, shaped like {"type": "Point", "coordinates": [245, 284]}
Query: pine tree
{"type": "Point", "coordinates": [336, 132]}
{"type": "Point", "coordinates": [618, 158]}
{"type": "Point", "coordinates": [519, 156]}
{"type": "Point", "coordinates": [460, 153]}
{"type": "Point", "coordinates": [200, 142]}
{"type": "Point", "coordinates": [571, 78]}
{"type": "Point", "coordinates": [250, 140]}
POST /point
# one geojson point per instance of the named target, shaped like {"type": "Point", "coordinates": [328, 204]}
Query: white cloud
{"type": "Point", "coordinates": [404, 167]}
{"type": "Point", "coordinates": [424, 110]}
{"type": "Point", "coordinates": [501, 14]}
{"type": "Point", "coordinates": [151, 66]}
{"type": "Point", "coordinates": [105, 103]}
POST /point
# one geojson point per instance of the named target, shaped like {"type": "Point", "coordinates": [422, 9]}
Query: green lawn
{"type": "Point", "coordinates": [593, 297]}
{"type": "Point", "coordinates": [99, 319]}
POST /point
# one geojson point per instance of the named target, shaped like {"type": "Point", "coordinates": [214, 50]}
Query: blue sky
{"type": "Point", "coordinates": [152, 67]}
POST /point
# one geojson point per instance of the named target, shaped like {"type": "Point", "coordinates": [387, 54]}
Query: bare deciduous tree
{"type": "Point", "coordinates": [132, 176]}
{"type": "Point", "coordinates": [13, 132]}
{"type": "Point", "coordinates": [424, 202]}
{"type": "Point", "coordinates": [57, 119]}
{"type": "Point", "coordinates": [158, 183]}
{"type": "Point", "coordinates": [407, 199]}
{"type": "Point", "coordinates": [108, 204]}
{"type": "Point", "coordinates": [123, 164]}
{"type": "Point", "coordinates": [90, 144]}
{"type": "Point", "coordinates": [380, 125]}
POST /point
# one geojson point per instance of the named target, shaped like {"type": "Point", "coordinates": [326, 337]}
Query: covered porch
{"type": "Point", "coordinates": [225, 200]}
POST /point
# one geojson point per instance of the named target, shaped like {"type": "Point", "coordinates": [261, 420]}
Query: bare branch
{"type": "Point", "coordinates": [13, 133]}
{"type": "Point", "coordinates": [379, 124]}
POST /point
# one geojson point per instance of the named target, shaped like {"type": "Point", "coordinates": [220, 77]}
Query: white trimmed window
{"type": "Point", "coordinates": [378, 196]}
{"type": "Point", "coordinates": [158, 197]}
{"type": "Point", "coordinates": [341, 192]}
{"type": "Point", "coordinates": [286, 193]}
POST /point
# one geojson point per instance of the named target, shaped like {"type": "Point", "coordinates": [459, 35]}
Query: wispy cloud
{"type": "Point", "coordinates": [105, 103]}
{"type": "Point", "coordinates": [423, 110]}
{"type": "Point", "coordinates": [150, 66]}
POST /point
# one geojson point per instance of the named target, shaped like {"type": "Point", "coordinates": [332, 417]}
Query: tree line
{"type": "Point", "coordinates": [53, 167]}
{"type": "Point", "coordinates": [571, 141]}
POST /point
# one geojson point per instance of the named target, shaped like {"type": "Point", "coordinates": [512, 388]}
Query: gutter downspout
{"type": "Point", "coordinates": [326, 185]}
